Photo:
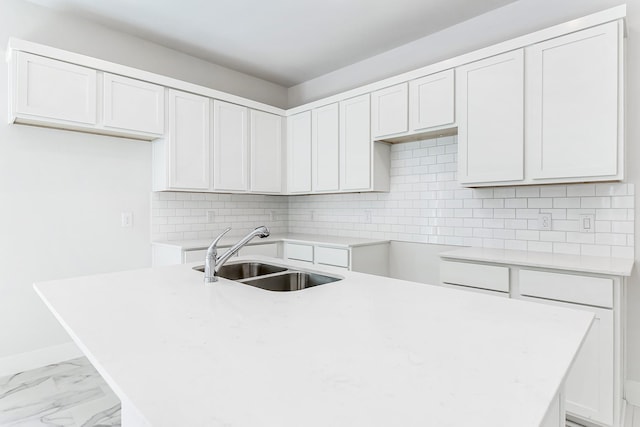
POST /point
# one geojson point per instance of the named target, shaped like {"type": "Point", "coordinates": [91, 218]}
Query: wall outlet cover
{"type": "Point", "coordinates": [127, 219]}
{"type": "Point", "coordinates": [211, 216]}
{"type": "Point", "coordinates": [587, 223]}
{"type": "Point", "coordinates": [544, 221]}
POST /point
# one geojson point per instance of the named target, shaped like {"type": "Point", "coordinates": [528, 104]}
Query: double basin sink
{"type": "Point", "coordinates": [271, 277]}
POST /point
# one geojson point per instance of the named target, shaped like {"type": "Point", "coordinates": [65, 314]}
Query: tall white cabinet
{"type": "Point", "coordinates": [230, 147]}
{"type": "Point", "coordinates": [182, 160]}
{"type": "Point", "coordinates": [266, 152]}
{"type": "Point", "coordinates": [574, 103]}
{"type": "Point", "coordinates": [355, 143]}
{"type": "Point", "coordinates": [299, 153]}
{"type": "Point", "coordinates": [325, 142]}
{"type": "Point", "coordinates": [490, 113]}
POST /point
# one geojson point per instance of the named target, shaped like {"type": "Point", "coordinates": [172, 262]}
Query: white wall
{"type": "Point", "coordinates": [507, 22]}
{"type": "Point", "coordinates": [61, 193]}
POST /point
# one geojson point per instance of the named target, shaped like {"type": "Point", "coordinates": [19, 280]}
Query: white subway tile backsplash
{"type": "Point", "coordinates": [426, 204]}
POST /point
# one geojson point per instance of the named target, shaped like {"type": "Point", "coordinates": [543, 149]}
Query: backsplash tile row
{"type": "Point", "coordinates": [187, 216]}
{"type": "Point", "coordinates": [425, 204]}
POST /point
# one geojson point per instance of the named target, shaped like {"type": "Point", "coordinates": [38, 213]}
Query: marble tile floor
{"type": "Point", "coordinates": [66, 394]}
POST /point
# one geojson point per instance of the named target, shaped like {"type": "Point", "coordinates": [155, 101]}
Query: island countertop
{"type": "Point", "coordinates": [363, 351]}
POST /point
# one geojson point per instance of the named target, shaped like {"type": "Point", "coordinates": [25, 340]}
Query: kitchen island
{"type": "Point", "coordinates": [362, 351]}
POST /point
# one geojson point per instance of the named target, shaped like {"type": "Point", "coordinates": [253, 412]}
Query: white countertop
{"type": "Point", "coordinates": [582, 263]}
{"type": "Point", "coordinates": [364, 351]}
{"type": "Point", "coordinates": [340, 241]}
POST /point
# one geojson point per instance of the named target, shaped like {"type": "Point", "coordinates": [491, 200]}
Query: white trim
{"type": "Point", "coordinates": [632, 392]}
{"type": "Point", "coordinates": [38, 358]}
{"type": "Point", "coordinates": [608, 15]}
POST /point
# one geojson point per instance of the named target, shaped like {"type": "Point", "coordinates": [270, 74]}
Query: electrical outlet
{"type": "Point", "coordinates": [367, 217]}
{"type": "Point", "coordinates": [127, 219]}
{"type": "Point", "coordinates": [544, 221]}
{"type": "Point", "coordinates": [312, 216]}
{"type": "Point", "coordinates": [211, 216]}
{"type": "Point", "coordinates": [587, 223]}
{"type": "Point", "coordinates": [272, 215]}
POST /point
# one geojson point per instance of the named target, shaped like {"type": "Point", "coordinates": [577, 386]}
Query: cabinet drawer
{"type": "Point", "coordinates": [332, 256]}
{"type": "Point", "coordinates": [475, 275]}
{"type": "Point", "coordinates": [567, 287]}
{"type": "Point", "coordinates": [477, 290]}
{"type": "Point", "coordinates": [299, 252]}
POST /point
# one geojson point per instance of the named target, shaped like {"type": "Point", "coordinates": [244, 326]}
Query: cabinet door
{"type": "Point", "coordinates": [266, 152]}
{"type": "Point", "coordinates": [490, 113]}
{"type": "Point", "coordinates": [590, 385]}
{"type": "Point", "coordinates": [189, 141]}
{"type": "Point", "coordinates": [56, 90]}
{"type": "Point", "coordinates": [573, 96]}
{"type": "Point", "coordinates": [355, 144]}
{"type": "Point", "coordinates": [299, 153]}
{"type": "Point", "coordinates": [325, 146]}
{"type": "Point", "coordinates": [431, 101]}
{"type": "Point", "coordinates": [230, 145]}
{"type": "Point", "coordinates": [390, 110]}
{"type": "Point", "coordinates": [133, 105]}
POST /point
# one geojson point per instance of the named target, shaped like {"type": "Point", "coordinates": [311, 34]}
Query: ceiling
{"type": "Point", "coordinates": [283, 41]}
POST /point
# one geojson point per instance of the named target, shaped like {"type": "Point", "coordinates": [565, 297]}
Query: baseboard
{"type": "Point", "coordinates": [35, 359]}
{"type": "Point", "coordinates": [632, 392]}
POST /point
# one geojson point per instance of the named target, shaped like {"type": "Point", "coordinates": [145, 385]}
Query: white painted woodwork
{"type": "Point", "coordinates": [590, 383]}
{"type": "Point", "coordinates": [390, 111]}
{"type": "Point", "coordinates": [432, 101]}
{"type": "Point", "coordinates": [266, 152]}
{"type": "Point", "coordinates": [490, 277]}
{"type": "Point", "coordinates": [325, 142]}
{"type": "Point", "coordinates": [587, 290]}
{"type": "Point", "coordinates": [297, 251]}
{"type": "Point", "coordinates": [267, 249]}
{"type": "Point", "coordinates": [230, 147]}
{"type": "Point", "coordinates": [474, 289]}
{"type": "Point", "coordinates": [299, 153]}
{"type": "Point", "coordinates": [53, 89]}
{"type": "Point", "coordinates": [573, 106]}
{"type": "Point", "coordinates": [490, 115]}
{"type": "Point", "coordinates": [355, 144]}
{"type": "Point", "coordinates": [337, 257]}
{"type": "Point", "coordinates": [189, 141]}
{"type": "Point", "coordinates": [133, 105]}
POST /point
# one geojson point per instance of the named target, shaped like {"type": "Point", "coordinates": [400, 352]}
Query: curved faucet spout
{"type": "Point", "coordinates": [213, 262]}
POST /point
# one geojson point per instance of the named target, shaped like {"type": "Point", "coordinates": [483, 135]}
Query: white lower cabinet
{"type": "Point", "coordinates": [594, 386]}
{"type": "Point", "coordinates": [370, 258]}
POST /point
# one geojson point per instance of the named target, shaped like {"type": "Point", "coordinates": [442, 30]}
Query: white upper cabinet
{"type": "Point", "coordinates": [325, 140]}
{"type": "Point", "coordinates": [266, 152]}
{"type": "Point", "coordinates": [490, 112]}
{"type": "Point", "coordinates": [355, 143]}
{"type": "Point", "coordinates": [390, 111]}
{"type": "Point", "coordinates": [574, 106]}
{"type": "Point", "coordinates": [431, 101]}
{"type": "Point", "coordinates": [189, 141]}
{"type": "Point", "coordinates": [299, 153]}
{"type": "Point", "coordinates": [133, 105]}
{"type": "Point", "coordinates": [230, 147]}
{"type": "Point", "coordinates": [53, 90]}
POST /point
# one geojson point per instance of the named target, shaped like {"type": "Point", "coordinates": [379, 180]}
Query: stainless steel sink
{"type": "Point", "coordinates": [271, 277]}
{"type": "Point", "coordinates": [290, 281]}
{"type": "Point", "coordinates": [244, 270]}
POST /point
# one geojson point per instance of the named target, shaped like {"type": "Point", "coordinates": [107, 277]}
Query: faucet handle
{"type": "Point", "coordinates": [217, 239]}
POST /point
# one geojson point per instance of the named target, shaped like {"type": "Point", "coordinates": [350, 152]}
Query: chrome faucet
{"type": "Point", "coordinates": [213, 262]}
